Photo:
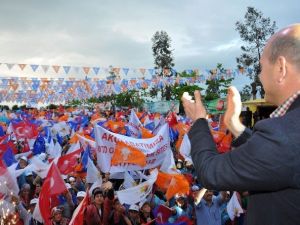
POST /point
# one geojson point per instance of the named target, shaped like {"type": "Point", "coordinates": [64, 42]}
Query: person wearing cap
{"type": "Point", "coordinates": [134, 215]}
{"type": "Point", "coordinates": [57, 217]}
{"type": "Point", "coordinates": [80, 196]}
{"type": "Point", "coordinates": [26, 215]}
{"type": "Point", "coordinates": [93, 213]}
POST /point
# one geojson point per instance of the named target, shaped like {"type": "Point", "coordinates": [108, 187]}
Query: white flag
{"type": "Point", "coordinates": [234, 208]}
{"type": "Point", "coordinates": [138, 193]}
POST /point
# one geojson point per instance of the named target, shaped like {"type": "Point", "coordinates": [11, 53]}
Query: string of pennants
{"type": "Point", "coordinates": [33, 90]}
{"type": "Point", "coordinates": [96, 70]}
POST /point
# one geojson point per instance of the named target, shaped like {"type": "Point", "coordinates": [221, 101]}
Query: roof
{"type": "Point", "coordinates": [259, 101]}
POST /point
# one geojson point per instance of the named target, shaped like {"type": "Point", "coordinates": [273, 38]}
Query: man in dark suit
{"type": "Point", "coordinates": [265, 161]}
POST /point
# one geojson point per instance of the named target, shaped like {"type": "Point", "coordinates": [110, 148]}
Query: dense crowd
{"type": "Point", "coordinates": [46, 136]}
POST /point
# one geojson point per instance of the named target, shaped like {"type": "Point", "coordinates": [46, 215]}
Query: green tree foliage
{"type": "Point", "coordinates": [246, 93]}
{"type": "Point", "coordinates": [178, 90]}
{"type": "Point", "coordinates": [129, 99]}
{"type": "Point", "coordinates": [217, 86]}
{"type": "Point", "coordinates": [162, 53]}
{"type": "Point", "coordinates": [255, 30]}
{"type": "Point", "coordinates": [15, 107]}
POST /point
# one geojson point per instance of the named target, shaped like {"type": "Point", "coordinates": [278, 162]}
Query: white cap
{"type": "Point", "coordinates": [33, 201]}
{"type": "Point", "coordinates": [195, 188]}
{"type": "Point", "coordinates": [68, 185]}
{"type": "Point", "coordinates": [24, 158]}
{"type": "Point", "coordinates": [134, 207]}
{"type": "Point", "coordinates": [71, 179]}
{"type": "Point", "coordinates": [80, 194]}
{"type": "Point", "coordinates": [28, 173]}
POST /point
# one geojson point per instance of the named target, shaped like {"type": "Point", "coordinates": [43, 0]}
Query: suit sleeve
{"type": "Point", "coordinates": [258, 164]}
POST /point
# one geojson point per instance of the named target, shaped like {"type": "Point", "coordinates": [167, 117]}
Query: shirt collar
{"type": "Point", "coordinates": [283, 108]}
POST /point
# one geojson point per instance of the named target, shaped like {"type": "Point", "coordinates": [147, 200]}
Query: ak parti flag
{"type": "Point", "coordinates": [52, 187]}
{"type": "Point", "coordinates": [146, 133]}
{"type": "Point", "coordinates": [128, 154]}
{"type": "Point", "coordinates": [172, 183]}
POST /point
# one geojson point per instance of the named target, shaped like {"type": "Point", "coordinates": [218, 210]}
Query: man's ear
{"type": "Point", "coordinates": [281, 65]}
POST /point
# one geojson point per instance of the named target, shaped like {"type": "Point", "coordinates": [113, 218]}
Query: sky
{"type": "Point", "coordinates": [118, 32]}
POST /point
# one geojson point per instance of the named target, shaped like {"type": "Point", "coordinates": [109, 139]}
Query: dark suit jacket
{"type": "Point", "coordinates": [265, 162]}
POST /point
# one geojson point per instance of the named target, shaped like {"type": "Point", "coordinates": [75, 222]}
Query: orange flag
{"type": "Point", "coordinates": [146, 133]}
{"type": "Point", "coordinates": [178, 185]}
{"type": "Point", "coordinates": [128, 154]}
{"type": "Point", "coordinates": [163, 180]}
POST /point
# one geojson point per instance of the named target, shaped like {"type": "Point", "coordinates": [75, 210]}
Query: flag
{"type": "Point", "coordinates": [146, 133]}
{"type": "Point", "coordinates": [25, 130]}
{"type": "Point", "coordinates": [9, 157]}
{"type": "Point", "coordinates": [52, 187]}
{"type": "Point", "coordinates": [128, 180]}
{"type": "Point", "coordinates": [225, 144]}
{"type": "Point", "coordinates": [8, 181]}
{"type": "Point", "coordinates": [185, 149]}
{"type": "Point", "coordinates": [138, 193]}
{"type": "Point", "coordinates": [162, 213]}
{"type": "Point", "coordinates": [178, 185]}
{"type": "Point", "coordinates": [217, 136]}
{"type": "Point", "coordinates": [78, 214]}
{"type": "Point", "coordinates": [234, 208]}
{"type": "Point", "coordinates": [66, 163]}
{"type": "Point", "coordinates": [168, 165]}
{"type": "Point", "coordinates": [128, 154]}
{"type": "Point", "coordinates": [173, 183]}
{"type": "Point", "coordinates": [133, 125]}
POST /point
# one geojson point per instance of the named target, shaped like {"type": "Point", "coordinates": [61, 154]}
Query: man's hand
{"type": "Point", "coordinates": [194, 110]}
{"type": "Point", "coordinates": [233, 111]}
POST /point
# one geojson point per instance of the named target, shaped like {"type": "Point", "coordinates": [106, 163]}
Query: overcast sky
{"type": "Point", "coordinates": [119, 32]}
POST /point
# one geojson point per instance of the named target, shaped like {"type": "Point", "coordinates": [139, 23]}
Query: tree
{"type": "Point", "coordinates": [255, 30]}
{"type": "Point", "coordinates": [246, 93]}
{"type": "Point", "coordinates": [163, 59]}
{"type": "Point", "coordinates": [217, 86]}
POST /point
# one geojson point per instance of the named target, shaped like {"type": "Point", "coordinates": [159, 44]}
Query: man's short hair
{"type": "Point", "coordinates": [287, 46]}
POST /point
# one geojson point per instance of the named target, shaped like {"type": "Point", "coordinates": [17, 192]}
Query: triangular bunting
{"type": "Point", "coordinates": [125, 71]}
{"type": "Point", "coordinates": [86, 70]}
{"type": "Point", "coordinates": [151, 71]}
{"type": "Point", "coordinates": [22, 66]}
{"type": "Point", "coordinates": [45, 68]}
{"type": "Point", "coordinates": [10, 65]}
{"type": "Point", "coordinates": [142, 70]}
{"type": "Point", "coordinates": [56, 68]}
{"type": "Point", "coordinates": [34, 67]}
{"type": "Point", "coordinates": [96, 70]}
{"type": "Point", "coordinates": [67, 69]}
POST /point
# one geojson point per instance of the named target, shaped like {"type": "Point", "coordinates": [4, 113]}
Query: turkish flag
{"type": "Point", "coordinates": [67, 163]}
{"type": "Point", "coordinates": [52, 187]}
{"type": "Point", "coordinates": [162, 214]}
{"type": "Point", "coordinates": [78, 215]}
{"type": "Point", "coordinates": [25, 130]}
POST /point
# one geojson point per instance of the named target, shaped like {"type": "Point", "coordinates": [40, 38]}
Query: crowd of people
{"type": "Point", "coordinates": [103, 206]}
